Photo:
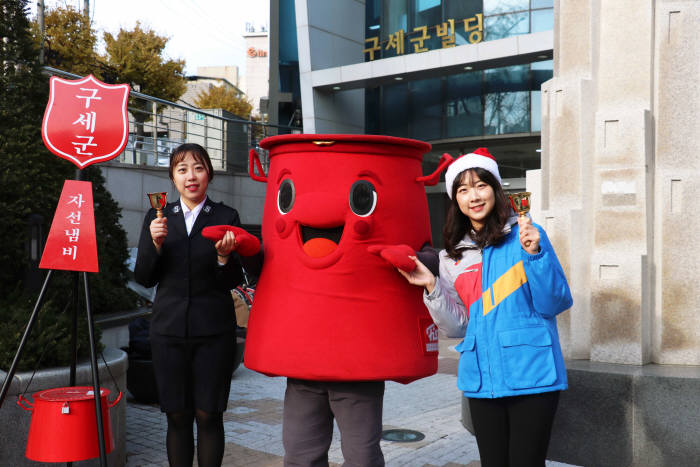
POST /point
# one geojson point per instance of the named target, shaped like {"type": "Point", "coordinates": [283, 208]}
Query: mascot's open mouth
{"type": "Point", "coordinates": [318, 243]}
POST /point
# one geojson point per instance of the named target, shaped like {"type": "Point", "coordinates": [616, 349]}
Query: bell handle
{"type": "Point", "coordinates": [254, 163]}
{"type": "Point", "coordinates": [115, 401]}
{"type": "Point", "coordinates": [21, 399]}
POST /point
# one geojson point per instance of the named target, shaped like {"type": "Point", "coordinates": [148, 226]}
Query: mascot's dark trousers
{"type": "Point", "coordinates": [307, 428]}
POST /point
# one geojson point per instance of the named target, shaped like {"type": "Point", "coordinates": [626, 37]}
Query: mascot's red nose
{"type": "Point", "coordinates": [319, 247]}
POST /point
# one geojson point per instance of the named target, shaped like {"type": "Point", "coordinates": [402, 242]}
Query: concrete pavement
{"type": "Point", "coordinates": [253, 423]}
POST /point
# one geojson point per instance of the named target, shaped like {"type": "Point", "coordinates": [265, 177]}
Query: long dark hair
{"type": "Point", "coordinates": [198, 152]}
{"type": "Point", "coordinates": [458, 224]}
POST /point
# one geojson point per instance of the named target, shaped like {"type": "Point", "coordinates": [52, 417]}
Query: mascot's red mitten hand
{"type": "Point", "coordinates": [397, 255]}
{"type": "Point", "coordinates": [246, 244]}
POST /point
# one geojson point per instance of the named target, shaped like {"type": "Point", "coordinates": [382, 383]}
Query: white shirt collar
{"type": "Point", "coordinates": [190, 215]}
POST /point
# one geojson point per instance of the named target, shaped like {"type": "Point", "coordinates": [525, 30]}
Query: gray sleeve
{"type": "Point", "coordinates": [445, 306]}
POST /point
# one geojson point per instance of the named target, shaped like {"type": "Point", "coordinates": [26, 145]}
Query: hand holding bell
{"type": "Point", "coordinates": [159, 225]}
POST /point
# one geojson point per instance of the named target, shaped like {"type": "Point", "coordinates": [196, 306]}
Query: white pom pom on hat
{"type": "Point", "coordinates": [479, 158]}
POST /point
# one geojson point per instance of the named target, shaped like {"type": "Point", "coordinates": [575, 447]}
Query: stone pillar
{"type": "Point", "coordinates": [619, 182]}
{"type": "Point", "coordinates": [676, 330]}
{"type": "Point", "coordinates": [597, 137]}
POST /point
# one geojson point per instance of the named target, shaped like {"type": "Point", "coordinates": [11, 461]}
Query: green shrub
{"type": "Point", "coordinates": [49, 344]}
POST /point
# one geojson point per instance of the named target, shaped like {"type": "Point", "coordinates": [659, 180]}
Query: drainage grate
{"type": "Point", "coordinates": [402, 436]}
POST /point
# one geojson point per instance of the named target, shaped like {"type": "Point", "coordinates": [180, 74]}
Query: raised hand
{"type": "Point", "coordinates": [529, 235]}
{"type": "Point", "coordinates": [159, 230]}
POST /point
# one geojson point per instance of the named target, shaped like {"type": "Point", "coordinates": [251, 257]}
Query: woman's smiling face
{"type": "Point", "coordinates": [475, 198]}
{"type": "Point", "coordinates": [191, 180]}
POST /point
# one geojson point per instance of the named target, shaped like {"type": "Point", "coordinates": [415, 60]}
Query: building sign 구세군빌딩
{"type": "Point", "coordinates": [474, 26]}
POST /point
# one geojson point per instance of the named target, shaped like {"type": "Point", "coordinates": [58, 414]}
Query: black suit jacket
{"type": "Point", "coordinates": [194, 293]}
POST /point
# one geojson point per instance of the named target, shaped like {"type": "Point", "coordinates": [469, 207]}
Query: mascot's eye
{"type": "Point", "coordinates": [363, 198]}
{"type": "Point", "coordinates": [285, 196]}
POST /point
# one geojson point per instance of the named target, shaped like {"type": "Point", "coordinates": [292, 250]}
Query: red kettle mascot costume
{"type": "Point", "coordinates": [341, 211]}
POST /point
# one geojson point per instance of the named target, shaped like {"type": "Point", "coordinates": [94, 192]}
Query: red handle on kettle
{"type": "Point", "coordinates": [115, 401]}
{"type": "Point", "coordinates": [434, 177]}
{"type": "Point", "coordinates": [253, 163]}
{"type": "Point", "coordinates": [20, 399]}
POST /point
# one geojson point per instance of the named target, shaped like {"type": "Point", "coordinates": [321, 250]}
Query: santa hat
{"type": "Point", "coordinates": [479, 158]}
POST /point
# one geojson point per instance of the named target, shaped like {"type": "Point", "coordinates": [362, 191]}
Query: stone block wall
{"type": "Point", "coordinates": [620, 132]}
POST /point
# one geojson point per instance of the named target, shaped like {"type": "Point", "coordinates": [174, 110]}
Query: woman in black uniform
{"type": "Point", "coordinates": [193, 326]}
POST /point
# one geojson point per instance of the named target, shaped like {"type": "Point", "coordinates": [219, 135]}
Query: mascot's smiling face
{"type": "Point", "coordinates": [322, 215]}
{"type": "Point", "coordinates": [325, 205]}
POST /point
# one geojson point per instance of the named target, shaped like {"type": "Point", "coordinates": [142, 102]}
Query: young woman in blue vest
{"type": "Point", "coordinates": [193, 326]}
{"type": "Point", "coordinates": [500, 287]}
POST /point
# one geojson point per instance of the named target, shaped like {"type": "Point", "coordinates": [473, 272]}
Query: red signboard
{"type": "Point", "coordinates": [72, 243]}
{"type": "Point", "coordinates": [86, 120]}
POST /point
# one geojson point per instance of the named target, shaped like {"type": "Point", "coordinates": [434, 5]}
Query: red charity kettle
{"type": "Point", "coordinates": [325, 308]}
{"type": "Point", "coordinates": [64, 426]}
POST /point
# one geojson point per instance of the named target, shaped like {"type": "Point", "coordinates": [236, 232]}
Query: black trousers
{"type": "Point", "coordinates": [307, 426]}
{"type": "Point", "coordinates": [514, 431]}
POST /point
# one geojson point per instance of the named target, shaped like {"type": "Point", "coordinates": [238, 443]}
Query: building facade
{"type": "Point", "coordinates": [257, 69]}
{"type": "Point", "coordinates": [456, 73]}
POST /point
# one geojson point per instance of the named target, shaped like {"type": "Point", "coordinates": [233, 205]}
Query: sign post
{"type": "Point", "coordinates": [85, 122]}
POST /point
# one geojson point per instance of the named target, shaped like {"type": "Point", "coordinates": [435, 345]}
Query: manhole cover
{"type": "Point", "coordinates": [402, 436]}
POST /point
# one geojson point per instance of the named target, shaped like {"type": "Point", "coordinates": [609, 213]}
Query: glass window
{"type": "Point", "coordinates": [542, 4]}
{"type": "Point", "coordinates": [541, 72]}
{"type": "Point", "coordinates": [506, 112]}
{"type": "Point", "coordinates": [536, 112]}
{"type": "Point", "coordinates": [491, 102]}
{"type": "Point", "coordinates": [426, 109]}
{"type": "Point", "coordinates": [395, 115]}
{"type": "Point", "coordinates": [460, 10]}
{"type": "Point", "coordinates": [506, 100]}
{"type": "Point", "coordinates": [493, 7]}
{"type": "Point", "coordinates": [507, 79]}
{"type": "Point", "coordinates": [395, 17]}
{"type": "Point", "coordinates": [372, 18]}
{"type": "Point", "coordinates": [463, 112]}
{"type": "Point", "coordinates": [542, 20]}
{"type": "Point", "coordinates": [288, 51]}
{"type": "Point", "coordinates": [372, 111]}
{"type": "Point", "coordinates": [427, 12]}
{"type": "Point", "coordinates": [514, 24]}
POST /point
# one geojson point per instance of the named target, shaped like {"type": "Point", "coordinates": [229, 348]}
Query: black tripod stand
{"type": "Point", "coordinates": [74, 353]}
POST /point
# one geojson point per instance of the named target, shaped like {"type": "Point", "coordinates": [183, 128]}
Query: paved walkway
{"type": "Point", "coordinates": [253, 423]}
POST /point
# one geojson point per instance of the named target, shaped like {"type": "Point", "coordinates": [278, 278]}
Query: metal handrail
{"type": "Point", "coordinates": [168, 124]}
{"type": "Point", "coordinates": [56, 71]}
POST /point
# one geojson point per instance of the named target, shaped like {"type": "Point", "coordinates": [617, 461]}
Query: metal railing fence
{"type": "Point", "coordinates": [157, 126]}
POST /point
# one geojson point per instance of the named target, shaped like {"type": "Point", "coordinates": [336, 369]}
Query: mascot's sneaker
{"type": "Point", "coordinates": [246, 244]}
